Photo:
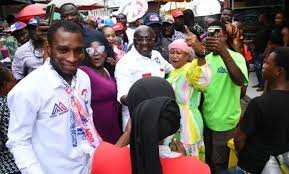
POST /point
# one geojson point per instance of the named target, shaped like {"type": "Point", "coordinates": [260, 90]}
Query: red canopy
{"type": "Point", "coordinates": [30, 11]}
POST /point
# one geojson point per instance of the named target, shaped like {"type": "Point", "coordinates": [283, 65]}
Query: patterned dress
{"type": "Point", "coordinates": [7, 164]}
{"type": "Point", "coordinates": [187, 82]}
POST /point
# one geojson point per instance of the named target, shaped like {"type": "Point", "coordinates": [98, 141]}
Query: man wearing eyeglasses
{"type": "Point", "coordinates": [30, 55]}
{"type": "Point", "coordinates": [142, 61]}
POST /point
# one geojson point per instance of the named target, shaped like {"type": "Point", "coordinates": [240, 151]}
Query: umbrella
{"type": "Point", "coordinates": [81, 4]}
{"type": "Point", "coordinates": [30, 11]}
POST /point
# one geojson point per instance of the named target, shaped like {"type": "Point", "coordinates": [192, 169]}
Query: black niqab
{"type": "Point", "coordinates": [155, 115]}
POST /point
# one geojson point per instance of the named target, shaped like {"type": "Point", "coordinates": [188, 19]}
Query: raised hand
{"type": "Point", "coordinates": [216, 44]}
{"type": "Point", "coordinates": [193, 41]}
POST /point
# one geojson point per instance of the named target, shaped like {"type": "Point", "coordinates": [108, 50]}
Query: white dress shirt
{"type": "Point", "coordinates": [132, 67]}
{"type": "Point", "coordinates": [43, 135]}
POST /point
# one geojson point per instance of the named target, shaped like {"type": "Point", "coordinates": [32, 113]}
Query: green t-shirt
{"type": "Point", "coordinates": [221, 107]}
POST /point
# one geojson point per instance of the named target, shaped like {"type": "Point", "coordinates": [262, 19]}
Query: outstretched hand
{"type": "Point", "coordinates": [190, 37]}
{"type": "Point", "coordinates": [41, 30]}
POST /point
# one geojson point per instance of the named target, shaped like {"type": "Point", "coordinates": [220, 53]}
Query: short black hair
{"type": "Point", "coordinates": [67, 26]}
{"type": "Point", "coordinates": [4, 75]}
{"type": "Point", "coordinates": [281, 59]}
{"type": "Point", "coordinates": [67, 4]}
{"type": "Point", "coordinates": [219, 24]}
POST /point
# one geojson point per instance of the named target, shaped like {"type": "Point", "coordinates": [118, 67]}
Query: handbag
{"type": "Point", "coordinates": [277, 164]}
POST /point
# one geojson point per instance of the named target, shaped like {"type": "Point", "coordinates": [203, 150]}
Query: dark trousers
{"type": "Point", "coordinates": [258, 63]}
{"type": "Point", "coordinates": [217, 152]}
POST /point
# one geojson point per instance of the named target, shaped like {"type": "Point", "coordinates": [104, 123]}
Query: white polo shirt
{"type": "Point", "coordinates": [132, 67]}
{"type": "Point", "coordinates": [43, 136]}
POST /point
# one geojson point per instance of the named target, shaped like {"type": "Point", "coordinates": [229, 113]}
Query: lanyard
{"type": "Point", "coordinates": [82, 117]}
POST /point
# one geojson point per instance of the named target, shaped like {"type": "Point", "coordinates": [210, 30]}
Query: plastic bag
{"type": "Point", "coordinates": [277, 165]}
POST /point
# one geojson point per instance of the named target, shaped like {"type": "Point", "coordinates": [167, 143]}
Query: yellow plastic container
{"type": "Point", "coordinates": [233, 160]}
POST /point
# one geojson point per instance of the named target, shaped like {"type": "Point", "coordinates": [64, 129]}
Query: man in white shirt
{"type": "Point", "coordinates": [51, 129]}
{"type": "Point", "coordinates": [141, 61]}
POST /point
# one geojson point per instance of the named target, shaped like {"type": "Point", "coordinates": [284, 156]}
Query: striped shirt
{"type": "Point", "coordinates": [26, 59]}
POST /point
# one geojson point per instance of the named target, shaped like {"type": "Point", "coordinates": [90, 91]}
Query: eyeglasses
{"type": "Point", "coordinates": [99, 49]}
{"type": "Point", "coordinates": [148, 39]}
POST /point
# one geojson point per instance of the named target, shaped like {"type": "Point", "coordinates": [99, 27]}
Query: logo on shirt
{"type": "Point", "coordinates": [146, 75]}
{"type": "Point", "coordinates": [59, 109]}
{"type": "Point", "coordinates": [157, 60]}
{"type": "Point", "coordinates": [222, 70]}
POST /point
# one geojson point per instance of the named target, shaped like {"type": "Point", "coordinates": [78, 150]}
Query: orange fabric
{"type": "Point", "coordinates": [109, 159]}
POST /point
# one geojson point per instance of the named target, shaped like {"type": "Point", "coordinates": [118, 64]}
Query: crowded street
{"type": "Point", "coordinates": [144, 87]}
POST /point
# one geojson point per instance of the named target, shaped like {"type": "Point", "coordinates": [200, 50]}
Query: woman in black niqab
{"type": "Point", "coordinates": [154, 116]}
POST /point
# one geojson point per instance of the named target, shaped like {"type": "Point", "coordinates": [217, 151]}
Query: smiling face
{"type": "Point", "coordinates": [98, 55]}
{"type": "Point", "coordinates": [144, 40]}
{"type": "Point", "coordinates": [66, 52]}
{"type": "Point", "coordinates": [178, 57]}
{"type": "Point", "coordinates": [110, 35]}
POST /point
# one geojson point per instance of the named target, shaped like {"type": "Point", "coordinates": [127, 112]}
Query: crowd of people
{"type": "Point", "coordinates": [163, 97]}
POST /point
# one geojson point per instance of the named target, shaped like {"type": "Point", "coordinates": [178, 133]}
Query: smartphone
{"type": "Point", "coordinates": [214, 31]}
{"type": "Point", "coordinates": [49, 13]}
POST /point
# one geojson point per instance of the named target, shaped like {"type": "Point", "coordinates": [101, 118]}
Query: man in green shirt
{"type": "Point", "coordinates": [221, 107]}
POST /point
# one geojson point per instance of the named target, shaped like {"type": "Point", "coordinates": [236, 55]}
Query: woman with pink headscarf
{"type": "Point", "coordinates": [188, 80]}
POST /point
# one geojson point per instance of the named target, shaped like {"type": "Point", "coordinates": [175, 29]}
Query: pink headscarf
{"type": "Point", "coordinates": [182, 45]}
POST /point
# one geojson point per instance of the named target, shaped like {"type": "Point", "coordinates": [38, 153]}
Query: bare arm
{"type": "Point", "coordinates": [234, 71]}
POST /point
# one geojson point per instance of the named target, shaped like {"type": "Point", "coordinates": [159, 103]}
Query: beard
{"type": "Point", "coordinates": [57, 68]}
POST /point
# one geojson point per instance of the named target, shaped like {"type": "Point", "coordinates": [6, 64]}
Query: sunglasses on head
{"type": "Point", "coordinates": [99, 49]}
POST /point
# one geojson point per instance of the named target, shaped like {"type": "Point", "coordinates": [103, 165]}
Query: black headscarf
{"type": "Point", "coordinates": [154, 115]}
